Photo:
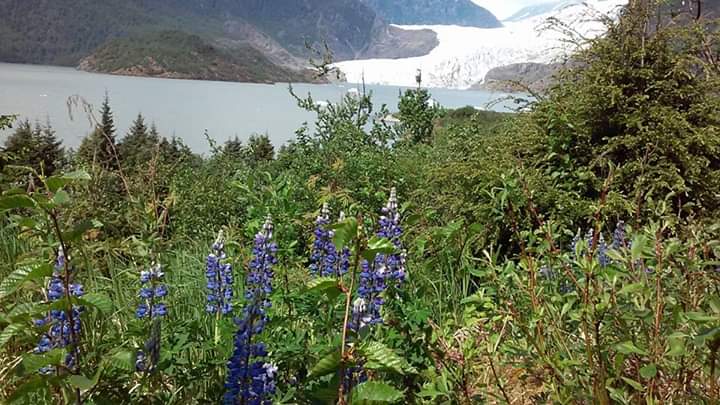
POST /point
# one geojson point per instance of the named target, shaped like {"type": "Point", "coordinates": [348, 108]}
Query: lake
{"type": "Point", "coordinates": [184, 108]}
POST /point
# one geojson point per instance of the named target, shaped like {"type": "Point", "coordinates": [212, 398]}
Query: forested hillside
{"type": "Point", "coordinates": [564, 253]}
{"type": "Point", "coordinates": [445, 12]}
{"type": "Point", "coordinates": [65, 31]}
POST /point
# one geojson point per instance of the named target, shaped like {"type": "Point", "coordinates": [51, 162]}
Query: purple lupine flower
{"type": "Point", "coordinates": [219, 279]}
{"type": "Point", "coordinates": [61, 330]}
{"type": "Point", "coordinates": [151, 291]}
{"type": "Point", "coordinates": [384, 270]}
{"type": "Point", "coordinates": [602, 248]}
{"type": "Point", "coordinates": [325, 260]}
{"type": "Point", "coordinates": [618, 240]}
{"type": "Point", "coordinates": [151, 307]}
{"type": "Point", "coordinates": [251, 380]}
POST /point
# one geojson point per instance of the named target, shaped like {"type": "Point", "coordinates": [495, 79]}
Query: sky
{"type": "Point", "coordinates": [505, 8]}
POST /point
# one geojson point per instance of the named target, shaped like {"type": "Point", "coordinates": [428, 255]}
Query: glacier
{"type": "Point", "coordinates": [465, 54]}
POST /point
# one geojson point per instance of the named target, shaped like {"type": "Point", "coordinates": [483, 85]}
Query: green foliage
{"type": "Point", "coordinates": [36, 147]}
{"type": "Point", "coordinates": [417, 113]}
{"type": "Point", "coordinates": [643, 100]}
{"type": "Point", "coordinates": [505, 299]}
{"type": "Point", "coordinates": [100, 148]}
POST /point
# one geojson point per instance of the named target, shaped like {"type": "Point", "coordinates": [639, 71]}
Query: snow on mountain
{"type": "Point", "coordinates": [465, 54]}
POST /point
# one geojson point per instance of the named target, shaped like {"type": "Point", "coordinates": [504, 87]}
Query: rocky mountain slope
{"type": "Point", "coordinates": [436, 12]}
{"type": "Point", "coordinates": [63, 32]}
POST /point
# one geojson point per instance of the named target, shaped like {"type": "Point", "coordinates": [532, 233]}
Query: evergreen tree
{"type": "Point", "coordinates": [139, 145]}
{"type": "Point", "coordinates": [36, 147]}
{"type": "Point", "coordinates": [260, 149]}
{"type": "Point", "coordinates": [235, 149]}
{"type": "Point", "coordinates": [100, 146]}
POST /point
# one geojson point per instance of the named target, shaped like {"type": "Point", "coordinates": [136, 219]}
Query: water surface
{"type": "Point", "coordinates": [182, 108]}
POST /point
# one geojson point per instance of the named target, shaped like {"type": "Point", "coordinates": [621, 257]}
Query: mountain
{"type": "Point", "coordinates": [436, 12]}
{"type": "Point", "coordinates": [466, 54]}
{"type": "Point", "coordinates": [179, 55]}
{"type": "Point", "coordinates": [64, 32]}
{"type": "Point", "coordinates": [539, 9]}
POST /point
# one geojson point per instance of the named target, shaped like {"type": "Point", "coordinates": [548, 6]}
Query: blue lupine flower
{"type": "Point", "coordinates": [618, 240]}
{"type": "Point", "coordinates": [324, 259]}
{"type": "Point", "coordinates": [251, 380]}
{"type": "Point", "coordinates": [64, 326]}
{"type": "Point", "coordinates": [602, 256]}
{"type": "Point", "coordinates": [384, 270]}
{"type": "Point", "coordinates": [152, 289]}
{"type": "Point", "coordinates": [219, 279]}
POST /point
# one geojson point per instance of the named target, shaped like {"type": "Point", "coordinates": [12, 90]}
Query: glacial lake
{"type": "Point", "coordinates": [186, 108]}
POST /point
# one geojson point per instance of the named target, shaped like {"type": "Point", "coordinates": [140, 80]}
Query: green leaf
{"type": "Point", "coordinates": [640, 245]}
{"type": "Point", "coordinates": [57, 182]}
{"type": "Point", "coordinates": [328, 364]}
{"type": "Point", "coordinates": [375, 392]}
{"type": "Point", "coordinates": [32, 362]}
{"type": "Point", "coordinates": [344, 232]}
{"type": "Point", "coordinates": [380, 357]}
{"type": "Point", "coordinates": [99, 301]}
{"type": "Point", "coordinates": [648, 371]}
{"type": "Point", "coordinates": [677, 345]}
{"type": "Point", "coordinates": [81, 382]}
{"type": "Point", "coordinates": [701, 317]}
{"type": "Point", "coordinates": [16, 201]}
{"type": "Point", "coordinates": [628, 348]}
{"type": "Point", "coordinates": [80, 228]}
{"type": "Point", "coordinates": [32, 386]}
{"type": "Point", "coordinates": [631, 288]}
{"type": "Point", "coordinates": [122, 359]}
{"type": "Point", "coordinates": [708, 335]}
{"type": "Point", "coordinates": [10, 331]}
{"type": "Point", "coordinates": [61, 197]}
{"type": "Point", "coordinates": [325, 285]}
{"type": "Point", "coordinates": [377, 246]}
{"type": "Point", "coordinates": [634, 384]}
{"type": "Point", "coordinates": [22, 275]}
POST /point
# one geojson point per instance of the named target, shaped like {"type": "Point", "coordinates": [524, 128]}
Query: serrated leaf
{"type": "Point", "coordinates": [61, 197]}
{"type": "Point", "coordinates": [375, 392]}
{"type": "Point", "coordinates": [629, 348]}
{"type": "Point", "coordinates": [648, 371]}
{"type": "Point", "coordinates": [377, 246]}
{"type": "Point", "coordinates": [344, 232]}
{"type": "Point", "coordinates": [122, 359]}
{"type": "Point", "coordinates": [32, 362]}
{"type": "Point", "coordinates": [328, 364]}
{"type": "Point", "coordinates": [99, 301]}
{"type": "Point", "coordinates": [380, 357]}
{"type": "Point", "coordinates": [23, 275]}
{"type": "Point", "coordinates": [10, 331]}
{"type": "Point", "coordinates": [16, 201]}
{"type": "Point", "coordinates": [32, 386]}
{"type": "Point", "coordinates": [81, 382]}
{"type": "Point", "coordinates": [325, 285]}
{"type": "Point", "coordinates": [56, 182]}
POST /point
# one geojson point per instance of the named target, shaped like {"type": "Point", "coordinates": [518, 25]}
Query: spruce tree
{"type": "Point", "coordinates": [36, 147]}
{"type": "Point", "coordinates": [100, 147]}
{"type": "Point", "coordinates": [139, 145]}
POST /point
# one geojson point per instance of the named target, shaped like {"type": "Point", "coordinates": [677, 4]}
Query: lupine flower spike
{"type": "Point", "coordinates": [251, 379]}
{"type": "Point", "coordinates": [386, 268]}
{"type": "Point", "coordinates": [219, 279]}
{"type": "Point", "coordinates": [63, 328]}
{"type": "Point", "coordinates": [324, 259]}
{"type": "Point", "coordinates": [152, 292]}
